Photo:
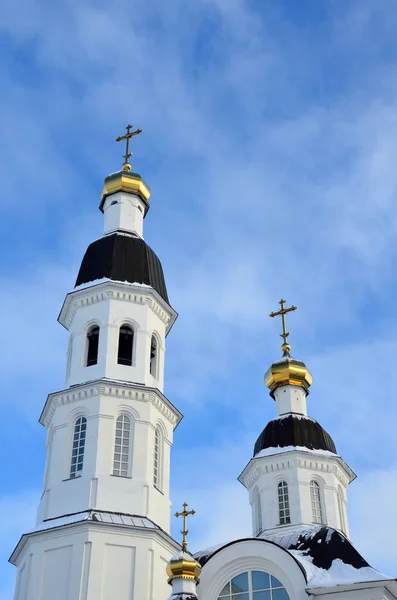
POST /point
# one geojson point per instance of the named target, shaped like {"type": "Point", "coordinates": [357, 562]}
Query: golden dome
{"type": "Point", "coordinates": [125, 181]}
{"type": "Point", "coordinates": [183, 566]}
{"type": "Point", "coordinates": [288, 371]}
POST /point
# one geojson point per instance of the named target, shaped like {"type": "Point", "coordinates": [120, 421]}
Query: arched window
{"type": "Point", "coordinates": [254, 585]}
{"type": "Point", "coordinates": [283, 503]}
{"type": "Point", "coordinates": [79, 435]}
{"type": "Point", "coordinates": [257, 512]}
{"type": "Point", "coordinates": [315, 497]}
{"type": "Point", "coordinates": [153, 356]}
{"type": "Point", "coordinates": [122, 445]}
{"type": "Point", "coordinates": [92, 346]}
{"type": "Point", "coordinates": [341, 505]}
{"type": "Point", "coordinates": [158, 459]}
{"type": "Point", "coordinates": [126, 341]}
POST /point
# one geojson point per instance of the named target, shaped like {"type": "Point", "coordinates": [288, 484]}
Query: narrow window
{"type": "Point", "coordinates": [122, 446]}
{"type": "Point", "coordinates": [92, 346]}
{"type": "Point", "coordinates": [69, 357]}
{"type": "Point", "coordinates": [315, 498]}
{"type": "Point", "coordinates": [153, 356]}
{"type": "Point", "coordinates": [341, 510]}
{"type": "Point", "coordinates": [157, 474]}
{"type": "Point", "coordinates": [257, 513]}
{"type": "Point", "coordinates": [126, 340]}
{"type": "Point", "coordinates": [79, 435]}
{"type": "Point", "coordinates": [283, 503]}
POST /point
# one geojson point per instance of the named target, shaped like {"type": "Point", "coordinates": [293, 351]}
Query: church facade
{"type": "Point", "coordinates": [103, 521]}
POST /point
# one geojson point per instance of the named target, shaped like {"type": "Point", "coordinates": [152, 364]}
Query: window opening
{"type": "Point", "coordinates": [93, 342]}
{"type": "Point", "coordinates": [122, 446]}
{"type": "Point", "coordinates": [153, 356]}
{"type": "Point", "coordinates": [258, 512]}
{"type": "Point", "coordinates": [283, 503]}
{"type": "Point", "coordinates": [126, 342]}
{"type": "Point", "coordinates": [254, 585]}
{"type": "Point", "coordinates": [157, 459]}
{"type": "Point", "coordinates": [341, 510]}
{"type": "Point", "coordinates": [315, 498]}
{"type": "Point", "coordinates": [79, 436]}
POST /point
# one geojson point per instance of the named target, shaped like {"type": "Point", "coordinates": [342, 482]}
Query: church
{"type": "Point", "coordinates": [103, 521]}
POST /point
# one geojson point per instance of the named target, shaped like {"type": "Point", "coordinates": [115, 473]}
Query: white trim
{"type": "Point", "coordinates": [120, 390]}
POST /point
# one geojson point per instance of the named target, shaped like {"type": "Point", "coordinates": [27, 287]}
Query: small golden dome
{"type": "Point", "coordinates": [125, 181]}
{"type": "Point", "coordinates": [183, 566]}
{"type": "Point", "coordinates": [288, 371]}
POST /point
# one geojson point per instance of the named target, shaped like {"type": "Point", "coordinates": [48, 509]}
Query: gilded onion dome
{"type": "Point", "coordinates": [183, 566]}
{"type": "Point", "coordinates": [288, 371]}
{"type": "Point", "coordinates": [125, 181]}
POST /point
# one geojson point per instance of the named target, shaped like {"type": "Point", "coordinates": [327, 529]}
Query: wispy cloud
{"type": "Point", "coordinates": [270, 144]}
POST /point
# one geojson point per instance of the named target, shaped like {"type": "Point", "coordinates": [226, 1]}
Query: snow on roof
{"type": "Point", "coordinates": [326, 555]}
{"type": "Point", "coordinates": [280, 449]}
{"type": "Point", "coordinates": [183, 555]}
{"type": "Point", "coordinates": [295, 415]}
{"type": "Point", "coordinates": [89, 284]}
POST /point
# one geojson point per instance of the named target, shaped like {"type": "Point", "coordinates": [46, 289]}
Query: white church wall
{"type": "Point", "coordinates": [97, 486]}
{"type": "Point", "coordinates": [297, 469]}
{"type": "Point", "coordinates": [111, 309]}
{"type": "Point", "coordinates": [129, 564]}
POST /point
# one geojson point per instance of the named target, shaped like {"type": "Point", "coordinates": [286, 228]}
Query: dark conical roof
{"type": "Point", "coordinates": [294, 430]}
{"type": "Point", "coordinates": [122, 257]}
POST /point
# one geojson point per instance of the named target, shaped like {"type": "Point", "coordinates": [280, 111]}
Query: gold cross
{"type": "Point", "coordinates": [185, 513]}
{"type": "Point", "coordinates": [126, 166]}
{"type": "Point", "coordinates": [282, 312]}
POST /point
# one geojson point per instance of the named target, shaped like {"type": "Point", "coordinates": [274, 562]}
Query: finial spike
{"type": "Point", "coordinates": [126, 166]}
{"type": "Point", "coordinates": [285, 347]}
{"type": "Point", "coordinates": [185, 513]}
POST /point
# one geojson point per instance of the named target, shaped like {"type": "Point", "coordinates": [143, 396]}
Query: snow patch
{"type": "Point", "coordinates": [281, 449]}
{"type": "Point", "coordinates": [89, 284]}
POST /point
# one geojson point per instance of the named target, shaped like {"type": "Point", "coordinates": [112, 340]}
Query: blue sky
{"type": "Point", "coordinates": [270, 145]}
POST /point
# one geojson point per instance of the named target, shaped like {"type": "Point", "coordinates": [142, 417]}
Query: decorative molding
{"type": "Point", "coordinates": [113, 290]}
{"type": "Point", "coordinates": [114, 390]}
{"type": "Point", "coordinates": [317, 465]}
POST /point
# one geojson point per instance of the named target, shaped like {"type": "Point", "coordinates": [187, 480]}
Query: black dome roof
{"type": "Point", "coordinates": [122, 258]}
{"type": "Point", "coordinates": [294, 430]}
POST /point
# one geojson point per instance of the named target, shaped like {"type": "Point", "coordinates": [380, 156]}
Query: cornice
{"type": "Point", "coordinates": [113, 389]}
{"type": "Point", "coordinates": [69, 529]}
{"type": "Point", "coordinates": [296, 459]}
{"type": "Point", "coordinates": [116, 290]}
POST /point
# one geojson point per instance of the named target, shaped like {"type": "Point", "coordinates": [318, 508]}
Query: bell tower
{"type": "Point", "coordinates": [103, 524]}
{"type": "Point", "coordinates": [296, 479]}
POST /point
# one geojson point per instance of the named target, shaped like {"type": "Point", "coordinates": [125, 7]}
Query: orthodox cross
{"type": "Point", "coordinates": [281, 313]}
{"type": "Point", "coordinates": [127, 137]}
{"type": "Point", "coordinates": [185, 513]}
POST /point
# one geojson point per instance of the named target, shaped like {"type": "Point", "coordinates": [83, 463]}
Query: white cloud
{"type": "Point", "coordinates": [263, 187]}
